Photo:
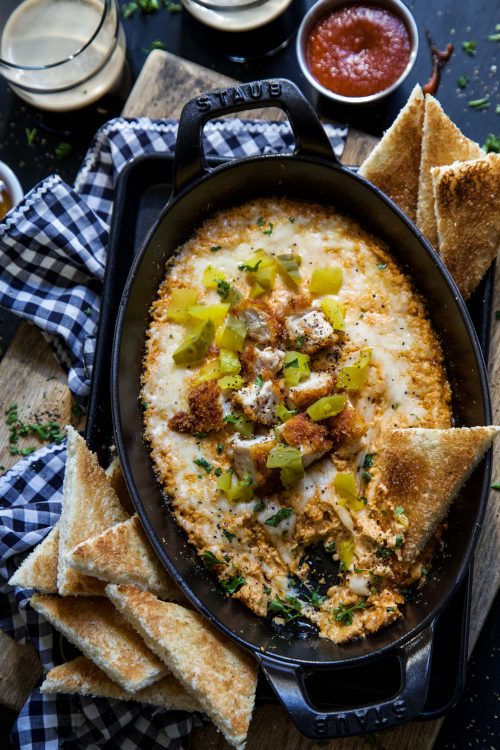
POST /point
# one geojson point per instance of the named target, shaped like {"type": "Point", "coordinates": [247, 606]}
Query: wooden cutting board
{"type": "Point", "coordinates": [30, 377]}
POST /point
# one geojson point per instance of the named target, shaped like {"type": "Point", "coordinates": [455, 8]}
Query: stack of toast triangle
{"type": "Point", "coordinates": [102, 544]}
{"type": "Point", "coordinates": [444, 182]}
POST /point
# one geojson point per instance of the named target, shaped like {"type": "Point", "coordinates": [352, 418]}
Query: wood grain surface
{"type": "Point", "coordinates": [30, 377]}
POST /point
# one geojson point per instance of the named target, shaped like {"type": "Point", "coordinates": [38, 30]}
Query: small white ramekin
{"type": "Point", "coordinates": [12, 183]}
{"type": "Point", "coordinates": [323, 8]}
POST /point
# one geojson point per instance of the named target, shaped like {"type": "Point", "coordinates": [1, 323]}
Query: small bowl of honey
{"type": "Point", "coordinates": [11, 192]}
{"type": "Point", "coordinates": [357, 52]}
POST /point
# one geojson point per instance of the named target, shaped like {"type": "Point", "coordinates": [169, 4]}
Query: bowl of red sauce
{"type": "Point", "coordinates": [357, 52]}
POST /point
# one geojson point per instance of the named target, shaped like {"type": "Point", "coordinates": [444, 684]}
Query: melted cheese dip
{"type": "Point", "coordinates": [191, 426]}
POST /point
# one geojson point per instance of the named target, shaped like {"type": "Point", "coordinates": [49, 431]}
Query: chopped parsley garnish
{"type": "Point", "coordinates": [399, 511]}
{"type": "Point", "coordinates": [462, 81]}
{"type": "Point", "coordinates": [260, 222]}
{"type": "Point", "coordinates": [290, 608]}
{"type": "Point", "coordinates": [46, 432]}
{"type": "Point", "coordinates": [145, 6]}
{"type": "Point", "coordinates": [220, 448]}
{"type": "Point", "coordinates": [269, 230]}
{"type": "Point", "coordinates": [496, 486]}
{"type": "Point", "coordinates": [366, 476]}
{"type": "Point", "coordinates": [155, 44]}
{"type": "Point", "coordinates": [390, 609]}
{"type": "Point", "coordinates": [218, 471]}
{"type": "Point", "coordinates": [232, 585]}
{"type": "Point", "coordinates": [247, 481]}
{"type": "Point", "coordinates": [200, 434]}
{"type": "Point", "coordinates": [469, 48]}
{"type": "Point", "coordinates": [228, 535]}
{"type": "Point", "coordinates": [494, 37]}
{"type": "Point", "coordinates": [479, 104]}
{"type": "Point", "coordinates": [299, 342]}
{"type": "Point", "coordinates": [31, 134]}
{"type": "Point", "coordinates": [215, 248]}
{"type": "Point", "coordinates": [144, 405]}
{"type": "Point", "coordinates": [62, 150]}
{"type": "Point", "coordinates": [291, 219]}
{"type": "Point", "coordinates": [211, 560]}
{"type": "Point", "coordinates": [383, 552]}
{"type": "Point", "coordinates": [331, 548]}
{"type": "Point", "coordinates": [293, 363]}
{"type": "Point", "coordinates": [381, 266]}
{"type": "Point", "coordinates": [317, 599]}
{"type": "Point", "coordinates": [492, 144]}
{"type": "Point", "coordinates": [203, 463]}
{"type": "Point", "coordinates": [279, 517]}
{"type": "Point", "coordinates": [259, 381]}
{"type": "Point", "coordinates": [368, 462]}
{"type": "Point", "coordinates": [344, 614]}
{"type": "Point", "coordinates": [259, 506]}
{"type": "Point", "coordinates": [267, 589]}
{"type": "Point", "coordinates": [248, 267]}
{"type": "Point", "coordinates": [78, 411]}
{"type": "Point", "coordinates": [230, 419]}
{"type": "Point", "coordinates": [399, 541]}
{"type": "Point", "coordinates": [223, 288]}
{"type": "Point", "coordinates": [394, 407]}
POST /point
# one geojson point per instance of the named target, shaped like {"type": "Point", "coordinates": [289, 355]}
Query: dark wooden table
{"type": "Point", "coordinates": [182, 35]}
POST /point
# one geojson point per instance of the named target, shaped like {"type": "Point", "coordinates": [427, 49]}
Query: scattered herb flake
{"type": "Point", "coordinates": [394, 407]}
{"type": "Point", "coordinates": [368, 462]}
{"type": "Point", "coordinates": [279, 517]}
{"type": "Point", "coordinates": [399, 511]}
{"type": "Point", "coordinates": [203, 463]}
{"type": "Point", "coordinates": [228, 535]}
{"type": "Point", "coordinates": [492, 144]}
{"type": "Point", "coordinates": [211, 560]}
{"type": "Point", "coordinates": [223, 288]}
{"type": "Point", "coordinates": [77, 411]}
{"type": "Point", "coordinates": [299, 342]}
{"type": "Point", "coordinates": [469, 48]}
{"type": "Point", "coordinates": [232, 585]}
{"type": "Point", "coordinates": [62, 150]}
{"type": "Point", "coordinates": [493, 37]}
{"type": "Point", "coordinates": [383, 552]}
{"type": "Point", "coordinates": [215, 248]}
{"type": "Point", "coordinates": [31, 134]}
{"type": "Point", "coordinates": [331, 548]}
{"type": "Point", "coordinates": [155, 44]}
{"type": "Point", "coordinates": [317, 599]}
{"type": "Point", "coordinates": [267, 589]}
{"type": "Point", "coordinates": [399, 541]}
{"type": "Point", "coordinates": [344, 614]}
{"type": "Point", "coordinates": [220, 448]}
{"type": "Point", "coordinates": [247, 481]}
{"type": "Point", "coordinates": [290, 608]}
{"type": "Point", "coordinates": [259, 506]}
{"type": "Point", "coordinates": [479, 104]}
{"type": "Point", "coordinates": [390, 609]}
{"type": "Point", "coordinates": [218, 471]}
{"type": "Point", "coordinates": [200, 434]}
{"type": "Point", "coordinates": [269, 230]}
{"type": "Point", "coordinates": [381, 266]}
{"type": "Point", "coordinates": [366, 476]}
{"type": "Point", "coordinates": [249, 268]}
{"type": "Point", "coordinates": [462, 81]}
{"type": "Point", "coordinates": [230, 419]}
{"type": "Point", "coordinates": [259, 381]}
{"type": "Point", "coordinates": [496, 486]}
{"type": "Point", "coordinates": [260, 222]}
{"type": "Point", "coordinates": [291, 219]}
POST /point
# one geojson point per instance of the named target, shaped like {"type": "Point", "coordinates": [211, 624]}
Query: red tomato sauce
{"type": "Point", "coordinates": [358, 50]}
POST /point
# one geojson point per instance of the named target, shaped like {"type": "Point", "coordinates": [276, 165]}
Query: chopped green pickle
{"type": "Point", "coordinates": [288, 266]}
{"type": "Point", "coordinates": [326, 280]}
{"type": "Point", "coordinates": [346, 552]}
{"type": "Point", "coordinates": [354, 377]}
{"type": "Point", "coordinates": [208, 371]}
{"type": "Point", "coordinates": [229, 362]}
{"type": "Point", "coordinates": [211, 275]}
{"type": "Point", "coordinates": [232, 336]}
{"type": "Point", "coordinates": [335, 312]}
{"type": "Point", "coordinates": [215, 313]}
{"type": "Point", "coordinates": [240, 424]}
{"type": "Point", "coordinates": [196, 345]}
{"type": "Point", "coordinates": [231, 381]}
{"type": "Point", "coordinates": [289, 460]}
{"type": "Point", "coordinates": [238, 492]}
{"type": "Point", "coordinates": [295, 367]}
{"type": "Point", "coordinates": [345, 485]}
{"type": "Point", "coordinates": [283, 413]}
{"type": "Point", "coordinates": [180, 300]}
{"type": "Point", "coordinates": [262, 269]}
{"type": "Point", "coordinates": [328, 406]}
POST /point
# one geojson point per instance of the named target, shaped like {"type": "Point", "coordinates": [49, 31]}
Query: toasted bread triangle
{"type": "Point", "coordinates": [123, 554]}
{"type": "Point", "coordinates": [104, 636]}
{"type": "Point", "coordinates": [90, 505]}
{"type": "Point", "coordinates": [442, 143]}
{"type": "Point", "coordinates": [467, 205]}
{"type": "Point", "coordinates": [82, 677]}
{"type": "Point", "coordinates": [421, 470]}
{"type": "Point", "coordinates": [394, 164]}
{"type": "Point", "coordinates": [215, 671]}
{"type": "Point", "coordinates": [39, 570]}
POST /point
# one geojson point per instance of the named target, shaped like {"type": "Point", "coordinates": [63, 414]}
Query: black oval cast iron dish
{"type": "Point", "coordinates": [311, 173]}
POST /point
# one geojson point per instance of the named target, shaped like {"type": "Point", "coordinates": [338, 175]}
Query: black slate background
{"type": "Point", "coordinates": [475, 721]}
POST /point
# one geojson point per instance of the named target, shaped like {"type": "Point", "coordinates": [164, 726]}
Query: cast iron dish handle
{"type": "Point", "coordinates": [288, 683]}
{"type": "Point", "coordinates": [310, 137]}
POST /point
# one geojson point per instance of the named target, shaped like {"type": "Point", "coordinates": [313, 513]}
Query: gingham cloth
{"type": "Point", "coordinates": [52, 261]}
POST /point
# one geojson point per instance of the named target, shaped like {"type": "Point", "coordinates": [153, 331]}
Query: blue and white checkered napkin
{"type": "Point", "coordinates": [52, 261]}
